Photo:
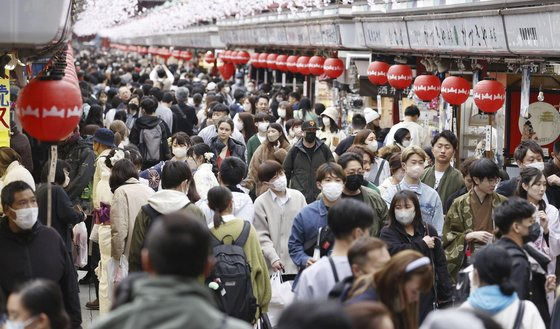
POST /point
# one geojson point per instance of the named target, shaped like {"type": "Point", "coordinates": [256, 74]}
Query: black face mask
{"type": "Point", "coordinates": [310, 137]}
{"type": "Point", "coordinates": [534, 233]}
{"type": "Point", "coordinates": [353, 182]}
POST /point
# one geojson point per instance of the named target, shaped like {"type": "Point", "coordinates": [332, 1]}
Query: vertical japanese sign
{"type": "Point", "coordinates": [5, 112]}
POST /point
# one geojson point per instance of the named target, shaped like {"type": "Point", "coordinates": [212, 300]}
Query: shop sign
{"type": "Point", "coordinates": [263, 36]}
{"type": "Point", "coordinates": [533, 32]}
{"type": "Point", "coordinates": [331, 35]}
{"type": "Point", "coordinates": [483, 34]}
{"type": "Point", "coordinates": [543, 124]}
{"type": "Point", "coordinates": [298, 35]}
{"type": "Point", "coordinates": [315, 35]}
{"type": "Point", "coordinates": [5, 112]}
{"type": "Point", "coordinates": [392, 35]}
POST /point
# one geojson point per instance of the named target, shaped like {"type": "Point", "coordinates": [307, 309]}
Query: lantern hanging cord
{"type": "Point", "coordinates": [56, 70]}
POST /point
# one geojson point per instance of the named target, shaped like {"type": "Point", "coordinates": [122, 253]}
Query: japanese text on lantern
{"type": "Point", "coordinates": [4, 112]}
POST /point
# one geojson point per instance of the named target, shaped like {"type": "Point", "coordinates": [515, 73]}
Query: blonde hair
{"type": "Point", "coordinates": [410, 151]}
{"type": "Point", "coordinates": [7, 156]}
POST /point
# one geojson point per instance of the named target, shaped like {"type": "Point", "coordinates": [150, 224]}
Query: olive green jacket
{"type": "Point", "coordinates": [459, 222]}
{"type": "Point", "coordinates": [451, 181]}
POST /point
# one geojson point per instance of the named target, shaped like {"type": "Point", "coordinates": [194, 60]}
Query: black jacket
{"type": "Point", "coordinates": [452, 198]}
{"type": "Point", "coordinates": [80, 157]}
{"type": "Point", "coordinates": [184, 118]}
{"type": "Point", "coordinates": [398, 240]}
{"type": "Point", "coordinates": [236, 149]}
{"type": "Point", "coordinates": [507, 188]}
{"type": "Point", "coordinates": [20, 143]}
{"type": "Point", "coordinates": [64, 217]}
{"type": "Point", "coordinates": [344, 145]}
{"type": "Point", "coordinates": [38, 253]}
{"type": "Point", "coordinates": [521, 270]}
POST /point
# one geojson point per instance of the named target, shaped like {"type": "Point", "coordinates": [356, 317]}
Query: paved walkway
{"type": "Point", "coordinates": [87, 293]}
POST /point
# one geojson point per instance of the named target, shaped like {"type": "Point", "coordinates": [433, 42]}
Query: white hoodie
{"type": "Point", "coordinates": [168, 201]}
{"type": "Point", "coordinates": [243, 208]}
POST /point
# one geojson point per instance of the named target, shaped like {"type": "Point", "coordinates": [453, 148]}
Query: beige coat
{"type": "Point", "coordinates": [262, 154]}
{"type": "Point", "coordinates": [274, 226]}
{"type": "Point", "coordinates": [127, 201]}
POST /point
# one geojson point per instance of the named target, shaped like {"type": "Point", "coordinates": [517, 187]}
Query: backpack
{"type": "Point", "coordinates": [150, 143]}
{"type": "Point", "coordinates": [232, 273]}
{"type": "Point", "coordinates": [463, 286]}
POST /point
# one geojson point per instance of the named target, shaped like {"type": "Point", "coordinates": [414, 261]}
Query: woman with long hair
{"type": "Point", "coordinates": [285, 113]}
{"type": "Point", "coordinates": [245, 123]}
{"type": "Point", "coordinates": [223, 145]}
{"type": "Point", "coordinates": [397, 173]}
{"type": "Point", "coordinates": [37, 304]}
{"type": "Point", "coordinates": [330, 133]}
{"type": "Point", "coordinates": [275, 147]}
{"type": "Point", "coordinates": [226, 227]}
{"type": "Point", "coordinates": [402, 138]}
{"type": "Point", "coordinates": [305, 111]}
{"type": "Point", "coordinates": [201, 162]}
{"type": "Point", "coordinates": [250, 105]}
{"type": "Point", "coordinates": [493, 293]}
{"type": "Point", "coordinates": [406, 230]}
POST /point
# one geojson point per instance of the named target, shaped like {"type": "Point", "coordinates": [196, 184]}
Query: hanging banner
{"type": "Point", "coordinates": [525, 90]}
{"type": "Point", "coordinates": [5, 112]}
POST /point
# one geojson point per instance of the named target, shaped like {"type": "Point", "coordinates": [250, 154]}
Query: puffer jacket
{"type": "Point", "coordinates": [300, 168]}
{"type": "Point", "coordinates": [236, 148]}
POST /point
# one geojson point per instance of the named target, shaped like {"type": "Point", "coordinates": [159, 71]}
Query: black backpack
{"type": "Point", "coordinates": [233, 275]}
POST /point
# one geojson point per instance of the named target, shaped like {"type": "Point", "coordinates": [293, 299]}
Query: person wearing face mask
{"type": "Point", "coordinates": [397, 173]}
{"type": "Point", "coordinates": [303, 160]}
{"type": "Point", "coordinates": [303, 244]}
{"type": "Point", "coordinates": [285, 113]}
{"type": "Point", "coordinates": [330, 133]}
{"type": "Point", "coordinates": [493, 292]}
{"type": "Point", "coordinates": [225, 90]}
{"type": "Point", "coordinates": [515, 221]}
{"type": "Point", "coordinates": [12, 170]}
{"type": "Point", "coordinates": [31, 250]}
{"type": "Point", "coordinates": [63, 216]}
{"type": "Point", "coordinates": [132, 111]}
{"type": "Point", "coordinates": [262, 121]}
{"type": "Point", "coordinates": [353, 189]}
{"type": "Point", "coordinates": [293, 126]}
{"type": "Point", "coordinates": [379, 168]}
{"type": "Point", "coordinates": [275, 147]}
{"type": "Point", "coordinates": [348, 220]}
{"type": "Point", "coordinates": [412, 159]}
{"type": "Point", "coordinates": [527, 154]}
{"type": "Point", "coordinates": [275, 210]}
{"type": "Point", "coordinates": [406, 230]}
{"type": "Point", "coordinates": [402, 138]}
{"type": "Point", "coordinates": [178, 194]}
{"type": "Point", "coordinates": [37, 304]}
{"type": "Point", "coordinates": [469, 224]}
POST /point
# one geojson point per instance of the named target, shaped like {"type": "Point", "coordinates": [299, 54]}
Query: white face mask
{"type": "Point", "coordinates": [263, 126]}
{"type": "Point", "coordinates": [372, 146]}
{"type": "Point", "coordinates": [26, 217]}
{"type": "Point", "coordinates": [273, 137]}
{"type": "Point", "coordinates": [327, 121]}
{"type": "Point", "coordinates": [406, 143]}
{"type": "Point", "coordinates": [332, 190]}
{"type": "Point", "coordinates": [282, 113]}
{"type": "Point", "coordinates": [180, 152]}
{"type": "Point", "coordinates": [297, 130]}
{"type": "Point", "coordinates": [415, 172]}
{"type": "Point", "coordinates": [538, 165]}
{"type": "Point", "coordinates": [279, 184]}
{"type": "Point", "coordinates": [237, 123]}
{"type": "Point", "coordinates": [66, 181]}
{"type": "Point", "coordinates": [247, 107]}
{"type": "Point", "coordinates": [404, 216]}
{"type": "Point", "coordinates": [19, 324]}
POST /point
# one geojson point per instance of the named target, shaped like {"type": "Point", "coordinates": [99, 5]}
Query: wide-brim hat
{"type": "Point", "coordinates": [332, 113]}
{"type": "Point", "coordinates": [105, 137]}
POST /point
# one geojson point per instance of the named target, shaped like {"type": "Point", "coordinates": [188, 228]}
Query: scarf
{"type": "Point", "coordinates": [490, 299]}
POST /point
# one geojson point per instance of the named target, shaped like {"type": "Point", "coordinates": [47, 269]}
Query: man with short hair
{"type": "Point", "coordinates": [418, 134]}
{"type": "Point", "coordinates": [150, 134]}
{"type": "Point", "coordinates": [294, 99]}
{"type": "Point", "coordinates": [527, 154]}
{"type": "Point", "coordinates": [442, 176]}
{"type": "Point", "coordinates": [358, 123]}
{"type": "Point", "coordinates": [176, 255]}
{"type": "Point", "coordinates": [348, 220]}
{"type": "Point", "coordinates": [263, 105]}
{"type": "Point", "coordinates": [469, 225]}
{"type": "Point", "coordinates": [303, 160]}
{"type": "Point", "coordinates": [413, 159]}
{"type": "Point", "coordinates": [173, 197]}
{"type": "Point", "coordinates": [30, 250]}
{"type": "Point", "coordinates": [467, 179]}
{"type": "Point", "coordinates": [237, 105]}
{"type": "Point", "coordinates": [184, 115]}
{"type": "Point", "coordinates": [218, 112]}
{"type": "Point", "coordinates": [162, 111]}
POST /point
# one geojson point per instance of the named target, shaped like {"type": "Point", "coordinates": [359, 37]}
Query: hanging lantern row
{"type": "Point", "coordinates": [50, 106]}
{"type": "Point", "coordinates": [163, 52]}
{"type": "Point", "coordinates": [315, 65]}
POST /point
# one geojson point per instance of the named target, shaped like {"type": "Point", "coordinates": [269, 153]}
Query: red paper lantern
{"type": "Point", "coordinates": [164, 52]}
{"type": "Point", "coordinates": [152, 50]}
{"type": "Point", "coordinates": [316, 65]}
{"type": "Point", "coordinates": [234, 57]}
{"type": "Point", "coordinates": [455, 90]}
{"type": "Point", "coordinates": [291, 63]}
{"type": "Point", "coordinates": [271, 61]}
{"type": "Point", "coordinates": [427, 87]}
{"type": "Point", "coordinates": [227, 70]}
{"type": "Point", "coordinates": [302, 65]}
{"type": "Point", "coordinates": [333, 67]}
{"type": "Point", "coordinates": [255, 60]}
{"type": "Point", "coordinates": [489, 95]}
{"type": "Point", "coordinates": [176, 54]}
{"type": "Point", "coordinates": [262, 60]}
{"type": "Point", "coordinates": [243, 57]}
{"type": "Point", "coordinates": [49, 110]}
{"type": "Point", "coordinates": [209, 57]}
{"type": "Point", "coordinates": [281, 63]}
{"type": "Point", "coordinates": [186, 55]}
{"type": "Point", "coordinates": [377, 72]}
{"type": "Point", "coordinates": [399, 76]}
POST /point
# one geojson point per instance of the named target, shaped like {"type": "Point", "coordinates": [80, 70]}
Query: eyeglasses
{"type": "Point", "coordinates": [494, 181]}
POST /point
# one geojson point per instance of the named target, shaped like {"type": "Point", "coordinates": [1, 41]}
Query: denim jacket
{"type": "Point", "coordinates": [305, 228]}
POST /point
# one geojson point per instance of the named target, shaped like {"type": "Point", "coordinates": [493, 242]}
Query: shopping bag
{"type": "Point", "coordinates": [116, 272]}
{"type": "Point", "coordinates": [281, 291]}
{"type": "Point", "coordinates": [80, 245]}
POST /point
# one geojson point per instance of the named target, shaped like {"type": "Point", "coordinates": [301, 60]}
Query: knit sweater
{"type": "Point", "coordinates": [260, 278]}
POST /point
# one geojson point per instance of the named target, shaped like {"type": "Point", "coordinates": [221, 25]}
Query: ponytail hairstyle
{"type": "Point", "coordinates": [219, 199]}
{"type": "Point", "coordinates": [493, 264]}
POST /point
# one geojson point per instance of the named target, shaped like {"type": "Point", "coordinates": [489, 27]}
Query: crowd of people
{"type": "Point", "coordinates": [210, 204]}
